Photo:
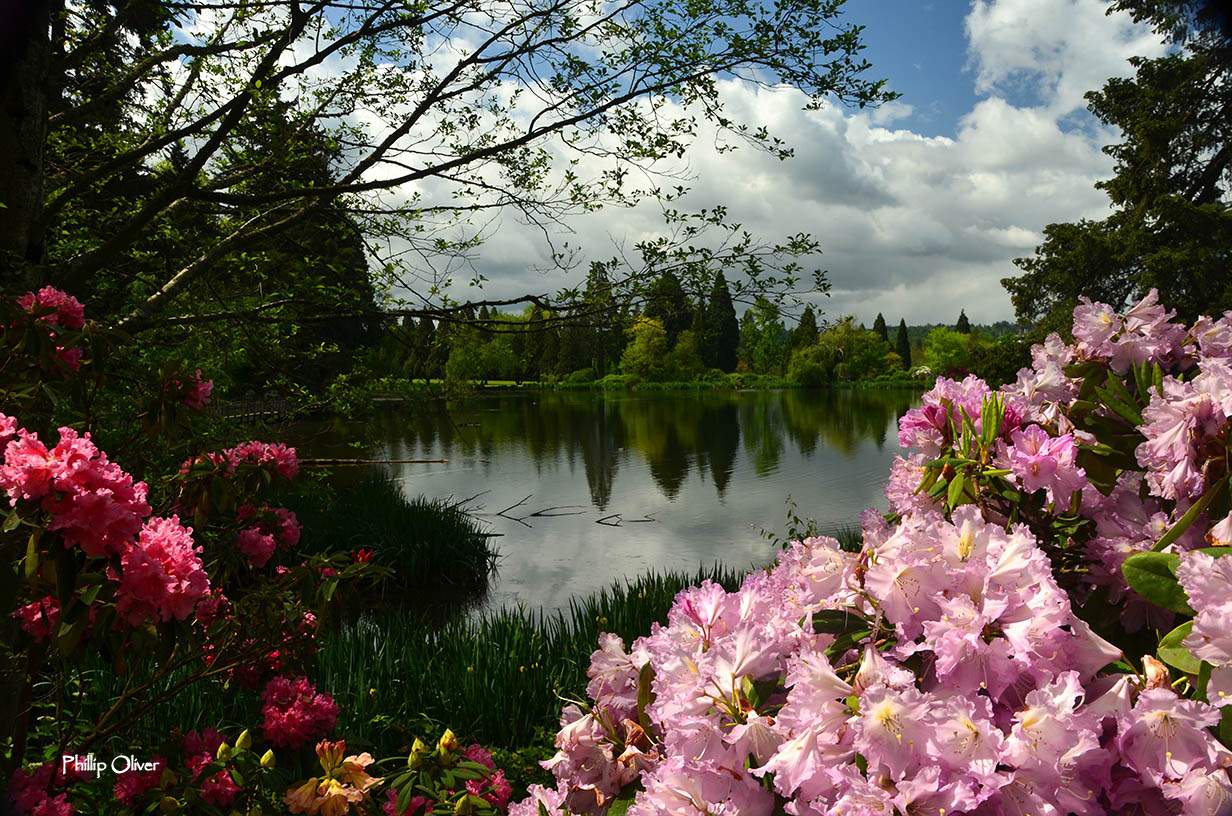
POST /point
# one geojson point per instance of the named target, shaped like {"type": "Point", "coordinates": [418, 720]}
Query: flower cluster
{"type": "Point", "coordinates": [218, 788]}
{"type": "Point", "coordinates": [31, 793]}
{"type": "Point", "coordinates": [190, 389]}
{"type": "Point", "coordinates": [276, 456]}
{"type": "Point", "coordinates": [53, 308]}
{"type": "Point", "coordinates": [161, 577]}
{"type": "Point", "coordinates": [269, 528]}
{"type": "Point", "coordinates": [949, 666]}
{"type": "Point", "coordinates": [344, 782]}
{"type": "Point", "coordinates": [295, 713]}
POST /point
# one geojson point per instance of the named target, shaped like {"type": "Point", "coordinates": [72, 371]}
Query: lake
{"type": "Point", "coordinates": [588, 487]}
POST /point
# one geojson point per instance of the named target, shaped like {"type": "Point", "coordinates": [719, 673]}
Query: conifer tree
{"type": "Point", "coordinates": [902, 344]}
{"type": "Point", "coordinates": [879, 326]}
{"type": "Point", "coordinates": [963, 326]}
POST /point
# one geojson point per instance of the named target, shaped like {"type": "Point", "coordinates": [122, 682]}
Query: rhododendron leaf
{"type": "Point", "coordinates": [955, 490]}
{"type": "Point", "coordinates": [930, 479]}
{"type": "Point", "coordinates": [237, 776]}
{"type": "Point", "coordinates": [620, 804]}
{"type": "Point", "coordinates": [1215, 552]}
{"type": "Point", "coordinates": [1191, 515]}
{"type": "Point", "coordinates": [1176, 655]}
{"type": "Point", "coordinates": [995, 472]}
{"type": "Point", "coordinates": [645, 695]}
{"type": "Point", "coordinates": [1153, 576]}
{"type": "Point", "coordinates": [836, 621]}
{"type": "Point", "coordinates": [1224, 730]}
{"type": "Point", "coordinates": [845, 642]}
{"type": "Point", "coordinates": [12, 520]}
{"type": "Point", "coordinates": [404, 798]}
{"type": "Point", "coordinates": [1118, 406]}
{"type": "Point", "coordinates": [1204, 677]}
{"type": "Point", "coordinates": [327, 588]}
{"type": "Point", "coordinates": [69, 636]}
{"type": "Point", "coordinates": [32, 555]}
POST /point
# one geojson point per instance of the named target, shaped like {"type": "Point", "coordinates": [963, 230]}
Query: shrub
{"type": "Point", "coordinates": [1041, 624]}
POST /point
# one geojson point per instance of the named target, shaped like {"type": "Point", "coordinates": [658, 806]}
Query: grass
{"type": "Point", "coordinates": [439, 552]}
{"type": "Point", "coordinates": [501, 677]}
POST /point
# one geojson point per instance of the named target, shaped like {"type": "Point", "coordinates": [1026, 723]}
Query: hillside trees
{"type": "Point", "coordinates": [149, 147]}
{"type": "Point", "coordinates": [1171, 225]}
{"type": "Point", "coordinates": [902, 344]}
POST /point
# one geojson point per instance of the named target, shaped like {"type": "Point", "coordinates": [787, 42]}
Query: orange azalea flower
{"type": "Point", "coordinates": [346, 782]}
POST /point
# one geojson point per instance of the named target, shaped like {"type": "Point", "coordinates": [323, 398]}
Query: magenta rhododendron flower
{"type": "Point", "coordinates": [162, 576]}
{"type": "Point", "coordinates": [68, 314]}
{"type": "Point", "coordinates": [278, 456]}
{"type": "Point", "coordinates": [295, 712]}
{"type": "Point", "coordinates": [130, 785]}
{"type": "Point", "coordinates": [40, 617]}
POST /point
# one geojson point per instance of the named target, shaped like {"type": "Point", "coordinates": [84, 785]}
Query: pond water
{"type": "Point", "coordinates": [585, 488]}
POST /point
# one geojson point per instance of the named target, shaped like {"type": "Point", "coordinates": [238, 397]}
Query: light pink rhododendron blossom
{"type": "Point", "coordinates": [965, 681]}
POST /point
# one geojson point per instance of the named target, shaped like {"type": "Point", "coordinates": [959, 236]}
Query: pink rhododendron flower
{"type": "Point", "coordinates": [295, 712]}
{"type": "Point", "coordinates": [68, 314]}
{"type": "Point", "coordinates": [162, 576]}
{"type": "Point", "coordinates": [278, 456]}
{"type": "Point", "coordinates": [258, 546]}
{"type": "Point", "coordinates": [1041, 461]}
{"type": "Point", "coordinates": [417, 806]}
{"type": "Point", "coordinates": [131, 785]}
{"type": "Point", "coordinates": [39, 618]}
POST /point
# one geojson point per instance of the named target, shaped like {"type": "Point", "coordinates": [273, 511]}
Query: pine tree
{"type": "Point", "coordinates": [963, 326]}
{"type": "Point", "coordinates": [723, 329]}
{"type": "Point", "coordinates": [879, 326]}
{"type": "Point", "coordinates": [903, 344]}
{"type": "Point", "coordinates": [805, 334]}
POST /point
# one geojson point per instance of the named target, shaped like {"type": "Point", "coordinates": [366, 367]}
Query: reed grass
{"type": "Point", "coordinates": [438, 551]}
{"type": "Point", "coordinates": [500, 677]}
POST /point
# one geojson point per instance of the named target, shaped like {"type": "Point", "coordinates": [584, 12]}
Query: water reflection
{"type": "Point", "coordinates": [673, 434]}
{"type": "Point", "coordinates": [709, 469]}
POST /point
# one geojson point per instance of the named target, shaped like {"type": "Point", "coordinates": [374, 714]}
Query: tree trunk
{"type": "Point", "coordinates": [25, 68]}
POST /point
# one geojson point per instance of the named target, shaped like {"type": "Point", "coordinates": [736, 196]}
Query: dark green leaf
{"type": "Point", "coordinates": [1153, 576]}
{"type": "Point", "coordinates": [1191, 515]}
{"type": "Point", "coordinates": [1172, 652]}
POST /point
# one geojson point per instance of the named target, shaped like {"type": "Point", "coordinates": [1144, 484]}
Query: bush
{"type": "Point", "coordinates": [582, 375]}
{"type": "Point", "coordinates": [1042, 624]}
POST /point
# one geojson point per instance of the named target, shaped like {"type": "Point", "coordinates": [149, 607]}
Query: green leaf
{"type": "Point", "coordinates": [12, 520]}
{"type": "Point", "coordinates": [32, 555]}
{"type": "Point", "coordinates": [1153, 576]}
{"type": "Point", "coordinates": [845, 642]}
{"type": "Point", "coordinates": [645, 695]}
{"type": "Point", "coordinates": [624, 799]}
{"type": "Point", "coordinates": [237, 776]}
{"type": "Point", "coordinates": [1204, 677]}
{"type": "Point", "coordinates": [1224, 730]}
{"type": "Point", "coordinates": [1176, 655]}
{"type": "Point", "coordinates": [68, 637]}
{"type": "Point", "coordinates": [955, 491]}
{"type": "Point", "coordinates": [836, 621]}
{"type": "Point", "coordinates": [1191, 515]}
{"type": "Point", "coordinates": [1120, 408]}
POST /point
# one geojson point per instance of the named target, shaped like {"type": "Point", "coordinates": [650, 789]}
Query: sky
{"type": "Point", "coordinates": [920, 206]}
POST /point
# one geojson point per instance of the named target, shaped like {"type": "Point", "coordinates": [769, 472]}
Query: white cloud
{"type": "Point", "coordinates": [911, 226]}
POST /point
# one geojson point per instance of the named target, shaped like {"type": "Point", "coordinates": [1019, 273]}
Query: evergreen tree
{"type": "Point", "coordinates": [805, 334]}
{"type": "Point", "coordinates": [722, 336]}
{"type": "Point", "coordinates": [963, 326]}
{"type": "Point", "coordinates": [879, 326]}
{"type": "Point", "coordinates": [902, 344]}
{"type": "Point", "coordinates": [667, 303]}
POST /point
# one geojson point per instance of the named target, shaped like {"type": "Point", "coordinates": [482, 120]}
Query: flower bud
{"type": "Point", "coordinates": [267, 759]}
{"type": "Point", "coordinates": [414, 760]}
{"type": "Point", "coordinates": [244, 742]}
{"type": "Point", "coordinates": [169, 805]}
{"type": "Point", "coordinates": [448, 742]}
{"type": "Point", "coordinates": [420, 747]}
{"type": "Point", "coordinates": [224, 751]}
{"type": "Point", "coordinates": [463, 807]}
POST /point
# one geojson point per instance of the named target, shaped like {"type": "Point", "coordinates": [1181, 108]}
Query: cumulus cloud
{"type": "Point", "coordinates": [911, 226]}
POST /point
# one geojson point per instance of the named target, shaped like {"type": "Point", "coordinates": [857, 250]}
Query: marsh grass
{"type": "Point", "coordinates": [441, 555]}
{"type": "Point", "coordinates": [500, 677]}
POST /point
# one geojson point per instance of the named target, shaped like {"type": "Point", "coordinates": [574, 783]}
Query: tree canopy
{"type": "Point", "coordinates": [149, 145]}
{"type": "Point", "coordinates": [1171, 226]}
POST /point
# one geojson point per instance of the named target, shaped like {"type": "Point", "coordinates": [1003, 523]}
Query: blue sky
{"type": "Point", "coordinates": [922, 50]}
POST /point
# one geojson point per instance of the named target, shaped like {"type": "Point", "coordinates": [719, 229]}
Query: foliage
{"type": "Point", "coordinates": [1006, 639]}
{"type": "Point", "coordinates": [879, 327]}
{"type": "Point", "coordinates": [439, 554]}
{"type": "Point", "coordinates": [763, 337]}
{"type": "Point", "coordinates": [646, 351]}
{"type": "Point", "coordinates": [194, 172]}
{"type": "Point", "coordinates": [997, 362]}
{"type": "Point", "coordinates": [963, 326]}
{"type": "Point", "coordinates": [947, 352]}
{"type": "Point", "coordinates": [1171, 224]}
{"type": "Point", "coordinates": [720, 335]}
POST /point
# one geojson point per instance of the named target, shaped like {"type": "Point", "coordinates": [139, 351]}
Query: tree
{"type": "Point", "coordinates": [1171, 226]}
{"type": "Point", "coordinates": [902, 344]}
{"type": "Point", "coordinates": [667, 303]}
{"type": "Point", "coordinates": [879, 326]}
{"type": "Point", "coordinates": [946, 352]}
{"type": "Point", "coordinates": [721, 338]}
{"type": "Point", "coordinates": [805, 334]}
{"type": "Point", "coordinates": [646, 352]}
{"type": "Point", "coordinates": [97, 95]}
{"type": "Point", "coordinates": [963, 326]}
{"type": "Point", "coordinates": [763, 336]}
